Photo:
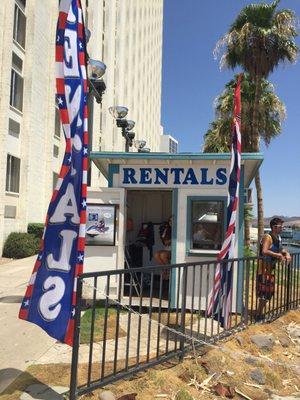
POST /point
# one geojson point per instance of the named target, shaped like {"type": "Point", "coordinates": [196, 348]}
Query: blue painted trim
{"type": "Point", "coordinates": [112, 169]}
{"type": "Point", "coordinates": [240, 274]}
{"type": "Point", "coordinates": [173, 156]}
{"type": "Point", "coordinates": [174, 246]}
{"type": "Point", "coordinates": [190, 199]}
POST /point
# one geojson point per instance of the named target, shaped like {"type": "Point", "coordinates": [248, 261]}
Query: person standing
{"type": "Point", "coordinates": [273, 253]}
{"type": "Point", "coordinates": [163, 257]}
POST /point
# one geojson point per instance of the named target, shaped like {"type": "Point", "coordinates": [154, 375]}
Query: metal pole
{"type": "Point", "coordinates": [124, 134]}
{"type": "Point", "coordinates": [288, 282]}
{"type": "Point", "coordinates": [247, 283]}
{"type": "Point", "coordinates": [75, 350]}
{"type": "Point", "coordinates": [183, 310]}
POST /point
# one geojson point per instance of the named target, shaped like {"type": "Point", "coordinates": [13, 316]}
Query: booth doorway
{"type": "Point", "coordinates": [146, 208]}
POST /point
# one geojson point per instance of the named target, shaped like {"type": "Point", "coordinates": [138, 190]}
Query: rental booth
{"type": "Point", "coordinates": [146, 189]}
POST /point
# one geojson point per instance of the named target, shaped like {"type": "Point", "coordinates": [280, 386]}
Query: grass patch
{"type": "Point", "coordinates": [183, 395]}
{"type": "Point", "coordinates": [86, 324]}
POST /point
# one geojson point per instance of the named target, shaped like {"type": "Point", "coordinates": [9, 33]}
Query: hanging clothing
{"type": "Point", "coordinates": [146, 237]}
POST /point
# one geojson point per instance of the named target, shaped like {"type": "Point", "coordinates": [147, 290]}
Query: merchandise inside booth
{"type": "Point", "coordinates": [147, 213]}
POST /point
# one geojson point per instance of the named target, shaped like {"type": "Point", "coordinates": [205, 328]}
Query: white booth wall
{"type": "Point", "coordinates": [105, 258]}
{"type": "Point", "coordinates": [181, 251]}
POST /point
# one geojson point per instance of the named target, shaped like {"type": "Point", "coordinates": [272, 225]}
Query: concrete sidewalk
{"type": "Point", "coordinates": [21, 343]}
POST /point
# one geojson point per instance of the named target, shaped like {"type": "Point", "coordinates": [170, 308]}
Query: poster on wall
{"type": "Point", "coordinates": [101, 224]}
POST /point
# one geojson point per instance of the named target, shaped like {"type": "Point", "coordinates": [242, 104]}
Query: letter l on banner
{"type": "Point", "coordinates": [50, 298]}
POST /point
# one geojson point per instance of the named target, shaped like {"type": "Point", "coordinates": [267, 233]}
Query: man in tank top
{"type": "Point", "coordinates": [273, 253]}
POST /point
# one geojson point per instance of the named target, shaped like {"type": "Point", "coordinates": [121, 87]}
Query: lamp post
{"type": "Point", "coordinates": [140, 146]}
{"type": "Point", "coordinates": [119, 113]}
{"type": "Point", "coordinates": [96, 70]}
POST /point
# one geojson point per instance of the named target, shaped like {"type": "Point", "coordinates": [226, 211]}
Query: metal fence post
{"type": "Point", "coordinates": [247, 281]}
{"type": "Point", "coordinates": [288, 288]}
{"type": "Point", "coordinates": [183, 310]}
{"type": "Point", "coordinates": [75, 350]}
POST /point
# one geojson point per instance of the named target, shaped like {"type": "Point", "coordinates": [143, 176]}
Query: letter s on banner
{"type": "Point", "coordinates": [55, 288]}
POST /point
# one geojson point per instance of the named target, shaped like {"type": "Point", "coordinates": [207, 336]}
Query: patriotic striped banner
{"type": "Point", "coordinates": [50, 298]}
{"type": "Point", "coordinates": [220, 296]}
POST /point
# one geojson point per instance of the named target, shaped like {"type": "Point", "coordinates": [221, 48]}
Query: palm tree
{"type": "Point", "coordinates": [248, 216]}
{"type": "Point", "coordinates": [271, 113]}
{"type": "Point", "coordinates": [259, 40]}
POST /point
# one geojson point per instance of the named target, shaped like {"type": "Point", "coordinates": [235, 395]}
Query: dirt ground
{"type": "Point", "coordinates": [228, 365]}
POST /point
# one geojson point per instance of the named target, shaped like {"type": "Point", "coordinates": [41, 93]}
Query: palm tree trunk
{"type": "Point", "coordinates": [260, 208]}
{"type": "Point", "coordinates": [247, 233]}
{"type": "Point", "coordinates": [255, 141]}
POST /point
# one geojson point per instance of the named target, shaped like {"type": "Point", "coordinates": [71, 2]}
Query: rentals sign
{"type": "Point", "coordinates": [162, 176]}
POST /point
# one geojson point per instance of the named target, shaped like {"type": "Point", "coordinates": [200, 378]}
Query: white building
{"type": "Point", "coordinates": [127, 37]}
{"type": "Point", "coordinates": [168, 144]}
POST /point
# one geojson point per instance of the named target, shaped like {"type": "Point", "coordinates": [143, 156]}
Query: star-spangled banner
{"type": "Point", "coordinates": [50, 298]}
{"type": "Point", "coordinates": [220, 296]}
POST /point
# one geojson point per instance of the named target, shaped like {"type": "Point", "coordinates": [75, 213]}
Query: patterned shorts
{"type": "Point", "coordinates": [265, 286]}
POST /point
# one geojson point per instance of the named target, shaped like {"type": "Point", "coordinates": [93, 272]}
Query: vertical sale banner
{"type": "Point", "coordinates": [50, 298]}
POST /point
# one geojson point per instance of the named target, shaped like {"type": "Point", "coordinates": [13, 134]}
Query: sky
{"type": "Point", "coordinates": [192, 79]}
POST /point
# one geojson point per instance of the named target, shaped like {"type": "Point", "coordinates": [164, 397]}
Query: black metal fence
{"type": "Point", "coordinates": [141, 317]}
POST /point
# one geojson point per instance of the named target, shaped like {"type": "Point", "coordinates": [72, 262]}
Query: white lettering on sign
{"type": "Point", "coordinates": [49, 305]}
{"type": "Point", "coordinates": [74, 104]}
{"type": "Point", "coordinates": [65, 252]}
{"type": "Point", "coordinates": [71, 67]}
{"type": "Point", "coordinates": [66, 206]}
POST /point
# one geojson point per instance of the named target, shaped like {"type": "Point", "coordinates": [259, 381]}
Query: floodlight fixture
{"type": "Point", "coordinates": [118, 112]}
{"type": "Point", "coordinates": [130, 124]}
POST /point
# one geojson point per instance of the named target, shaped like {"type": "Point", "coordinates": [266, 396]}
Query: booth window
{"type": "Point", "coordinates": [207, 225]}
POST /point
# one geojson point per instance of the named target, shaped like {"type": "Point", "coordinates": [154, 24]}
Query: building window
{"type": "Point", "coordinates": [17, 62]}
{"type": "Point", "coordinates": [172, 146]}
{"type": "Point", "coordinates": [12, 174]}
{"type": "Point", "coordinates": [54, 180]}
{"type": "Point", "coordinates": [22, 2]}
{"type": "Point", "coordinates": [55, 151]}
{"type": "Point", "coordinates": [207, 225]}
{"type": "Point", "coordinates": [57, 126]}
{"type": "Point", "coordinates": [10, 211]}
{"type": "Point", "coordinates": [13, 128]}
{"type": "Point", "coordinates": [20, 25]}
{"type": "Point", "coordinates": [16, 83]}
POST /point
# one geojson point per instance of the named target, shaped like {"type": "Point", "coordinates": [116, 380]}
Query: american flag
{"type": "Point", "coordinates": [220, 297]}
{"type": "Point", "coordinates": [50, 298]}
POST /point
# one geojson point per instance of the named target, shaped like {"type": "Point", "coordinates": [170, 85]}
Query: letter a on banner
{"type": "Point", "coordinates": [50, 299]}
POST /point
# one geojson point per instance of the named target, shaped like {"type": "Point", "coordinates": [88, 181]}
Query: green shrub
{"type": "Point", "coordinates": [20, 245]}
{"type": "Point", "coordinates": [36, 229]}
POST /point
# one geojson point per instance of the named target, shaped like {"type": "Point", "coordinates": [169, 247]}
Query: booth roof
{"type": "Point", "coordinates": [103, 159]}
